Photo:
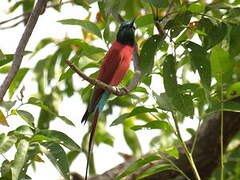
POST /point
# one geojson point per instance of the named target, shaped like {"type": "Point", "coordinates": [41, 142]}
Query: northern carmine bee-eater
{"type": "Point", "coordinates": [115, 65]}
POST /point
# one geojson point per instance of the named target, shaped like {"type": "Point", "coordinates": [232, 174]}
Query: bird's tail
{"type": "Point", "coordinates": [85, 117]}
{"type": "Point", "coordinates": [90, 145]}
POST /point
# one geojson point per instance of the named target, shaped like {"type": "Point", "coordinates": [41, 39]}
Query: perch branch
{"type": "Point", "coordinates": [21, 46]}
{"type": "Point", "coordinates": [113, 89]}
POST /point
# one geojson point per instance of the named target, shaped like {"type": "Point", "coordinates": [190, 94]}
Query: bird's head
{"type": "Point", "coordinates": [125, 33]}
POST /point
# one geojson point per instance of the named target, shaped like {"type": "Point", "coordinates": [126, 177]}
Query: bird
{"type": "Point", "coordinates": [112, 71]}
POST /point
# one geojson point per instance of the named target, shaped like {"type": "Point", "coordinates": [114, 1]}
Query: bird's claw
{"type": "Point", "coordinates": [121, 91]}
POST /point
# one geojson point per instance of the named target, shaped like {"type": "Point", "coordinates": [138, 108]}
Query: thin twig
{"type": "Point", "coordinates": [185, 148]}
{"type": "Point", "coordinates": [14, 25]}
{"type": "Point", "coordinates": [196, 136]}
{"type": "Point", "coordinates": [161, 24]}
{"type": "Point", "coordinates": [29, 12]}
{"type": "Point", "coordinates": [21, 46]}
{"type": "Point", "coordinates": [16, 17]}
{"type": "Point", "coordinates": [175, 166]}
{"type": "Point", "coordinates": [221, 132]}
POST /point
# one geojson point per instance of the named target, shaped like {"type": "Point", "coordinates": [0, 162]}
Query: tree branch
{"type": "Point", "coordinates": [21, 46]}
{"type": "Point", "coordinates": [161, 23]}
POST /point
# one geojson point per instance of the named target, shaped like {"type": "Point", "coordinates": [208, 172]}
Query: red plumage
{"type": "Point", "coordinates": [113, 69]}
{"type": "Point", "coordinates": [115, 65]}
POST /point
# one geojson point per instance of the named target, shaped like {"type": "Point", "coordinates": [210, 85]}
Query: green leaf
{"type": "Point", "coordinates": [108, 35]}
{"type": "Point", "coordinates": [227, 106]}
{"type": "Point", "coordinates": [17, 80]}
{"type": "Point", "coordinates": [61, 138]}
{"type": "Point", "coordinates": [20, 159]}
{"type": "Point", "coordinates": [24, 130]}
{"type": "Point", "coordinates": [164, 102]}
{"type": "Point", "coordinates": [136, 111]}
{"type": "Point", "coordinates": [39, 138]}
{"type": "Point", "coordinates": [233, 91]}
{"type": "Point", "coordinates": [6, 170]}
{"type": "Point", "coordinates": [152, 125]}
{"type": "Point", "coordinates": [147, 54]}
{"type": "Point", "coordinates": [28, 117]}
{"type": "Point", "coordinates": [6, 59]}
{"type": "Point", "coordinates": [44, 42]}
{"type": "Point", "coordinates": [66, 120]}
{"type": "Point", "coordinates": [102, 136]}
{"type": "Point", "coordinates": [2, 56]}
{"type": "Point", "coordinates": [5, 69]}
{"type": "Point", "coordinates": [196, 8]}
{"type": "Point", "coordinates": [3, 120]}
{"type": "Point", "coordinates": [221, 64]}
{"type": "Point", "coordinates": [145, 20]}
{"type": "Point", "coordinates": [233, 15]}
{"type": "Point", "coordinates": [15, 6]}
{"type": "Point", "coordinates": [200, 61]}
{"type": "Point", "coordinates": [158, 3]}
{"type": "Point", "coordinates": [82, 3]}
{"type": "Point", "coordinates": [183, 103]}
{"type": "Point", "coordinates": [183, 37]}
{"type": "Point", "coordinates": [7, 104]}
{"type": "Point", "coordinates": [169, 76]}
{"type": "Point", "coordinates": [66, 74]}
{"type": "Point", "coordinates": [215, 32]}
{"type": "Point", "coordinates": [137, 164]}
{"type": "Point", "coordinates": [84, 48]}
{"type": "Point", "coordinates": [58, 157]}
{"type": "Point", "coordinates": [131, 138]}
{"type": "Point", "coordinates": [155, 169]}
{"type": "Point", "coordinates": [171, 151]}
{"type": "Point", "coordinates": [86, 25]}
{"type": "Point", "coordinates": [39, 103]}
{"type": "Point", "coordinates": [234, 48]}
{"type": "Point", "coordinates": [71, 156]}
{"type": "Point", "coordinates": [178, 24]}
{"type": "Point", "coordinates": [70, 72]}
{"type": "Point", "coordinates": [6, 142]}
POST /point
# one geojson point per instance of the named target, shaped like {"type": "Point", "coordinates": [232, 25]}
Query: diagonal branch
{"type": "Point", "coordinates": [21, 46]}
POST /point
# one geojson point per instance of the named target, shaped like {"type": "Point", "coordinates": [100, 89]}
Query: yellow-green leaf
{"type": "Point", "coordinates": [3, 120]}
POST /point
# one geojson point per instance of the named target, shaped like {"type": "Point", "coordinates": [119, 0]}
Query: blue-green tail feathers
{"type": "Point", "coordinates": [102, 102]}
{"type": "Point", "coordinates": [99, 107]}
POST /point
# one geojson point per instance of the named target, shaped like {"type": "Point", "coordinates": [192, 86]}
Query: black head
{"type": "Point", "coordinates": [125, 33]}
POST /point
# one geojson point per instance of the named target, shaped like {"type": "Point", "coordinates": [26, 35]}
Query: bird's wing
{"type": "Point", "coordinates": [107, 70]}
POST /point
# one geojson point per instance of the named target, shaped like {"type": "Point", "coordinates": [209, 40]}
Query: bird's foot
{"type": "Point", "coordinates": [121, 91]}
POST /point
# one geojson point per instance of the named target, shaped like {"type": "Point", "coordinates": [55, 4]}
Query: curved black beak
{"type": "Point", "coordinates": [132, 23]}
